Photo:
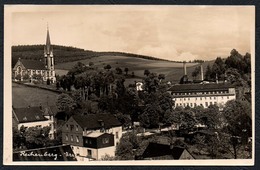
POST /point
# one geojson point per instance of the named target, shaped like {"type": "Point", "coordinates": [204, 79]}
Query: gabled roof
{"type": "Point", "coordinates": [162, 150]}
{"type": "Point", "coordinates": [33, 64]}
{"type": "Point", "coordinates": [200, 87]}
{"type": "Point", "coordinates": [93, 121]}
{"type": "Point", "coordinates": [29, 114]}
{"type": "Point", "coordinates": [56, 153]}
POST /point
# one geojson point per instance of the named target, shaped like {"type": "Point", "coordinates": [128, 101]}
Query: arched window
{"type": "Point", "coordinates": [19, 70]}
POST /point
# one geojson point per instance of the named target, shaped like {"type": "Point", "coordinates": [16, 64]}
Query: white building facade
{"type": "Point", "coordinates": [193, 95]}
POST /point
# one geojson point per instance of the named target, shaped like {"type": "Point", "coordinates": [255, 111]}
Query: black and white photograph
{"type": "Point", "coordinates": [129, 85]}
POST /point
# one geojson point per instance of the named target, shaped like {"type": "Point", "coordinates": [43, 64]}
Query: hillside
{"type": "Point", "coordinates": [67, 57]}
{"type": "Point", "coordinates": [65, 54]}
{"type": "Point", "coordinates": [172, 70]}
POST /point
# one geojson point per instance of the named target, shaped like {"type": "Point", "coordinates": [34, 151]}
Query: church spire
{"type": "Point", "coordinates": [48, 42]}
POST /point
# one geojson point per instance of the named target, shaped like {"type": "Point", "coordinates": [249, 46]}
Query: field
{"type": "Point", "coordinates": [172, 70]}
{"type": "Point", "coordinates": [24, 96]}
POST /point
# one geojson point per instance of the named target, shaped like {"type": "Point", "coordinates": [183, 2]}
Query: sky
{"type": "Point", "coordinates": [170, 32]}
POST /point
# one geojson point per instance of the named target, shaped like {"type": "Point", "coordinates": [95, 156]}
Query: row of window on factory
{"type": "Point", "coordinates": [197, 98]}
{"type": "Point", "coordinates": [195, 104]}
{"type": "Point", "coordinates": [199, 93]}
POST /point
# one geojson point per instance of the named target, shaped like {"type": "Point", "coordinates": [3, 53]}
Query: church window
{"type": "Point", "coordinates": [19, 69]}
{"type": "Point", "coordinates": [66, 138]}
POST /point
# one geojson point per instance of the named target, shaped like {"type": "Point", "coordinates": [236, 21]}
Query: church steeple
{"type": "Point", "coordinates": [48, 48]}
{"type": "Point", "coordinates": [49, 59]}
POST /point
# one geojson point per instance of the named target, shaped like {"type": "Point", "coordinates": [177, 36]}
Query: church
{"type": "Point", "coordinates": [36, 69]}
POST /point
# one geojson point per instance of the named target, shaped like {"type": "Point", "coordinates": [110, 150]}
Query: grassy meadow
{"type": "Point", "coordinates": [172, 70]}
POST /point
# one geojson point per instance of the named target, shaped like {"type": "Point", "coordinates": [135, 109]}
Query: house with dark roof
{"type": "Point", "coordinates": [157, 151]}
{"type": "Point", "coordinates": [33, 117]}
{"type": "Point", "coordinates": [55, 153]}
{"type": "Point", "coordinates": [92, 136]}
{"type": "Point", "coordinates": [204, 94]}
{"type": "Point", "coordinates": [37, 69]}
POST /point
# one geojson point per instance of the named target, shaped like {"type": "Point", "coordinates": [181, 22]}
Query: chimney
{"type": "Point", "coordinates": [102, 124]}
{"type": "Point", "coordinates": [201, 72]}
{"type": "Point", "coordinates": [184, 68]}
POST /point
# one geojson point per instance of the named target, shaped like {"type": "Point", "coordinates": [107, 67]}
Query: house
{"type": "Point", "coordinates": [56, 153]}
{"type": "Point", "coordinates": [33, 117]}
{"type": "Point", "coordinates": [193, 95]}
{"type": "Point", "coordinates": [157, 151]}
{"type": "Point", "coordinates": [92, 136]}
{"type": "Point", "coordinates": [37, 69]}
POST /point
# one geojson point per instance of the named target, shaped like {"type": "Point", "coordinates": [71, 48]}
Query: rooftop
{"type": "Point", "coordinates": [93, 121]}
{"type": "Point", "coordinates": [162, 150]}
{"type": "Point", "coordinates": [29, 114]}
{"type": "Point", "coordinates": [94, 134]}
{"type": "Point", "coordinates": [200, 87]}
{"type": "Point", "coordinates": [33, 64]}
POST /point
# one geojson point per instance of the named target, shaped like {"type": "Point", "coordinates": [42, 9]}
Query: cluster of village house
{"type": "Point", "coordinates": [94, 136]}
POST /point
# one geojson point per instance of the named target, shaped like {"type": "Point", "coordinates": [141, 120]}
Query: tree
{"type": "Point", "coordinates": [18, 77]}
{"type": "Point", "coordinates": [124, 150]}
{"type": "Point", "coordinates": [146, 72]}
{"type": "Point", "coordinates": [161, 77]}
{"type": "Point", "coordinates": [208, 74]}
{"type": "Point", "coordinates": [107, 67]}
{"type": "Point", "coordinates": [239, 123]}
{"type": "Point", "coordinates": [58, 85]}
{"type": "Point", "coordinates": [209, 116]}
{"type": "Point", "coordinates": [65, 104]}
{"type": "Point", "coordinates": [77, 69]}
{"type": "Point", "coordinates": [133, 74]}
{"type": "Point", "coordinates": [48, 81]}
{"type": "Point", "coordinates": [119, 70]}
{"type": "Point", "coordinates": [151, 83]}
{"type": "Point", "coordinates": [196, 72]}
{"type": "Point", "coordinates": [19, 140]}
{"type": "Point", "coordinates": [26, 77]}
{"type": "Point", "coordinates": [37, 137]}
{"type": "Point", "coordinates": [150, 118]}
{"type": "Point", "coordinates": [126, 71]}
{"type": "Point", "coordinates": [218, 68]}
{"type": "Point", "coordinates": [91, 64]}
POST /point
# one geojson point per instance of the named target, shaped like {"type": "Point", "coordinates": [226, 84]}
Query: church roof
{"type": "Point", "coordinates": [93, 121]}
{"type": "Point", "coordinates": [33, 64]}
{"type": "Point", "coordinates": [29, 114]}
